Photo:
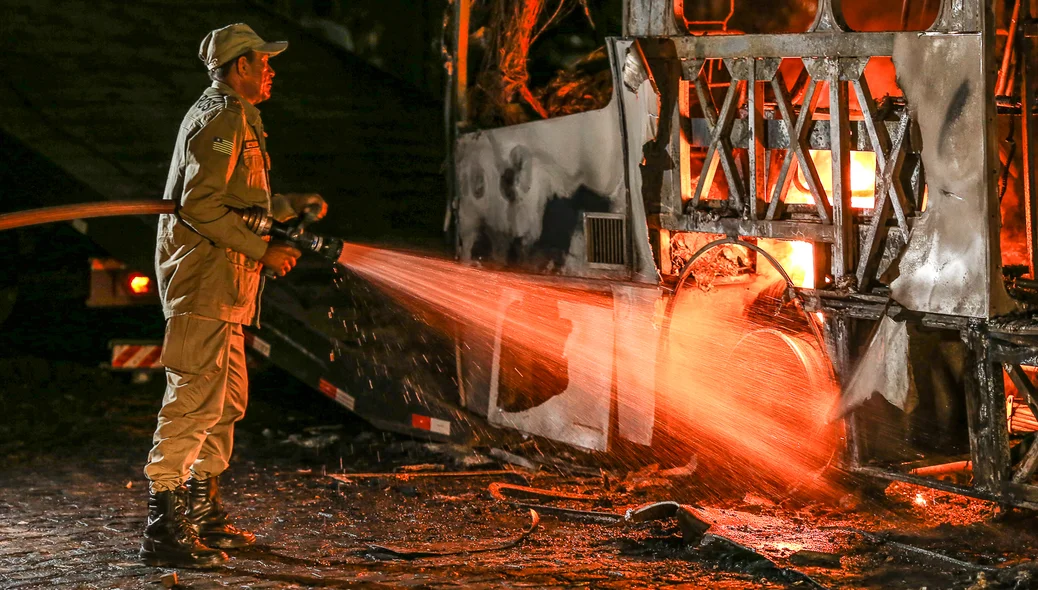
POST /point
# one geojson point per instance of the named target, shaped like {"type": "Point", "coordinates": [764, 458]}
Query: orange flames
{"type": "Point", "coordinates": [863, 179]}
{"type": "Point", "coordinates": [798, 257]}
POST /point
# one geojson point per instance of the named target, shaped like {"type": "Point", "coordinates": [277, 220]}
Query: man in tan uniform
{"type": "Point", "coordinates": [208, 266]}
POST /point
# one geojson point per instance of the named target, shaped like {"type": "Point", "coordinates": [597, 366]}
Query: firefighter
{"type": "Point", "coordinates": [208, 267]}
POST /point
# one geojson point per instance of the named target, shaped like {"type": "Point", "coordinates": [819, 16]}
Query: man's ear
{"type": "Point", "coordinates": [242, 65]}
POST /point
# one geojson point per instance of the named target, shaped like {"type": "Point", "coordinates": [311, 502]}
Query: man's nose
{"type": "Point", "coordinates": [271, 71]}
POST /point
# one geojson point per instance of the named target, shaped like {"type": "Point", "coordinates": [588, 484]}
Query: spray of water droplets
{"type": "Point", "coordinates": [751, 400]}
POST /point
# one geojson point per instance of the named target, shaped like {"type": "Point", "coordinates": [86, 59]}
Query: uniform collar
{"type": "Point", "coordinates": [252, 114]}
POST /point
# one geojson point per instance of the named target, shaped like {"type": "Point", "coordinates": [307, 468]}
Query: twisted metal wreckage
{"type": "Point", "coordinates": [923, 292]}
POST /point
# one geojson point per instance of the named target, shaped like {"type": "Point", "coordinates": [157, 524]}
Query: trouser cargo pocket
{"type": "Point", "coordinates": [194, 344]}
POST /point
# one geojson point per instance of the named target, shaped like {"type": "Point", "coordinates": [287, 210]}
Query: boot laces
{"type": "Point", "coordinates": [182, 528]}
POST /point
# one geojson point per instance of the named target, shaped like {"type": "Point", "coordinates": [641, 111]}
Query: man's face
{"type": "Point", "coordinates": [257, 77]}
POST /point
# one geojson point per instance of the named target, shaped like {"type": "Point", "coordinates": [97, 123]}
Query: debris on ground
{"type": "Point", "coordinates": [692, 525]}
{"type": "Point", "coordinates": [323, 512]}
{"type": "Point", "coordinates": [751, 499]}
{"type": "Point", "coordinates": [170, 580]}
{"type": "Point", "coordinates": [732, 556]}
{"type": "Point", "coordinates": [423, 467]}
{"type": "Point", "coordinates": [687, 470]}
{"type": "Point", "coordinates": [575, 515]}
{"type": "Point", "coordinates": [645, 478]}
{"type": "Point", "coordinates": [442, 549]}
{"type": "Point", "coordinates": [460, 456]}
{"type": "Point", "coordinates": [505, 456]}
{"type": "Point", "coordinates": [926, 556]}
{"type": "Point", "coordinates": [653, 511]}
{"type": "Point", "coordinates": [503, 491]}
{"type": "Point", "coordinates": [809, 558]}
{"type": "Point", "coordinates": [407, 475]}
{"type": "Point", "coordinates": [316, 438]}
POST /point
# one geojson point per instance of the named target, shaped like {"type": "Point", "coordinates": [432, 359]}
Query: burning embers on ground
{"type": "Point", "coordinates": [734, 376]}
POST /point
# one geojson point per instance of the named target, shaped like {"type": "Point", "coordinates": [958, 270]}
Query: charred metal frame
{"type": "Point", "coordinates": [835, 61]}
{"type": "Point", "coordinates": [855, 244]}
{"type": "Point", "coordinates": [754, 207]}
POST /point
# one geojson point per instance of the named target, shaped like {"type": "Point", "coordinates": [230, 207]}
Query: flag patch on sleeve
{"type": "Point", "coordinates": [222, 145]}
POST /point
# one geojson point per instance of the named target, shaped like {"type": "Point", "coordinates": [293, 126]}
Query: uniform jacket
{"type": "Point", "coordinates": [206, 259]}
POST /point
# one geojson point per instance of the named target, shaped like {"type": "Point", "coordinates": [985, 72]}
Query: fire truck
{"type": "Point", "coordinates": [876, 158]}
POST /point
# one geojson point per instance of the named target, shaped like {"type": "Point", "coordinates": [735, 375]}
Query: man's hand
{"type": "Point", "coordinates": [280, 258]}
{"type": "Point", "coordinates": [302, 201]}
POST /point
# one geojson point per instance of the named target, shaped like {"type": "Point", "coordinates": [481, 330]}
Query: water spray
{"type": "Point", "coordinates": [742, 398]}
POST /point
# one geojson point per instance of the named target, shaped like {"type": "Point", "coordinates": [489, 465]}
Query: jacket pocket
{"type": "Point", "coordinates": [246, 277]}
{"type": "Point", "coordinates": [256, 165]}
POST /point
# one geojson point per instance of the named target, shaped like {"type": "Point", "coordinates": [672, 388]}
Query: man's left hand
{"type": "Point", "coordinates": [302, 201]}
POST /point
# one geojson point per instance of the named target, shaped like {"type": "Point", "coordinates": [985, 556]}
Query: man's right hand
{"type": "Point", "coordinates": [280, 258]}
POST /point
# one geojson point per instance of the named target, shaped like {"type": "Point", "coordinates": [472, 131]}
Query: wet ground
{"type": "Point", "coordinates": [72, 505]}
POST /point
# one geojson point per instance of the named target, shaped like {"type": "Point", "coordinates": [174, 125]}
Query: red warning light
{"type": "Point", "coordinates": [140, 284]}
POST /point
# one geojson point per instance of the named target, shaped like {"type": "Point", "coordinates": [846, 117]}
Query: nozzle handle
{"type": "Point", "coordinates": [308, 215]}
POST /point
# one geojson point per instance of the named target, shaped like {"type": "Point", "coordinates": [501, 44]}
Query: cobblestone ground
{"type": "Point", "coordinates": [72, 505]}
{"type": "Point", "coordinates": [72, 499]}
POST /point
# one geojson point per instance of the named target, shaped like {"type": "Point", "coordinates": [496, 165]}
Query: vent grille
{"type": "Point", "coordinates": [606, 236]}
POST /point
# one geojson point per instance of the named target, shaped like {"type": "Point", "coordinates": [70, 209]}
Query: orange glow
{"type": "Point", "coordinates": [863, 179]}
{"type": "Point", "coordinates": [797, 258]}
{"type": "Point", "coordinates": [753, 404]}
{"type": "Point", "coordinates": [920, 500]}
{"type": "Point", "coordinates": [139, 284]}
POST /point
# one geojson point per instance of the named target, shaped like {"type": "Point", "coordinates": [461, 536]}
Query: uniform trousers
{"type": "Point", "coordinates": [206, 393]}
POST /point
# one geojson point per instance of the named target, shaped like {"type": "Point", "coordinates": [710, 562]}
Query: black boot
{"type": "Point", "coordinates": [169, 540]}
{"type": "Point", "coordinates": [206, 514]}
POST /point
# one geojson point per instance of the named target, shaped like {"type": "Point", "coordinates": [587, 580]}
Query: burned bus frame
{"type": "Point", "coordinates": [927, 254]}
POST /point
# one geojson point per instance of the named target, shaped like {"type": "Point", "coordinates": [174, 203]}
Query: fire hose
{"type": "Point", "coordinates": [256, 219]}
{"type": "Point", "coordinates": [84, 211]}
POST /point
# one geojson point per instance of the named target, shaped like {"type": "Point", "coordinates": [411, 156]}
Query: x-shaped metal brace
{"type": "Point", "coordinates": [797, 133]}
{"type": "Point", "coordinates": [720, 126]}
{"type": "Point", "coordinates": [888, 196]}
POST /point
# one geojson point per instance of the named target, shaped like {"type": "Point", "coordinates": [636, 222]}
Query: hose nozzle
{"type": "Point", "coordinates": [257, 220]}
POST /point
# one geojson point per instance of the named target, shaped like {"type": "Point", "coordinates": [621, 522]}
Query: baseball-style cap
{"type": "Point", "coordinates": [223, 45]}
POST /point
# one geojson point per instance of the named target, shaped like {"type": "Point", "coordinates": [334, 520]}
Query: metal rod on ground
{"type": "Point", "coordinates": [346, 477]}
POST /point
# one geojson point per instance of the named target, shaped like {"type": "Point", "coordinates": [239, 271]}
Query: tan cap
{"type": "Point", "coordinates": [223, 45]}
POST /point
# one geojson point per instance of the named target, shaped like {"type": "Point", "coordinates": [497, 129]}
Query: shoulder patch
{"type": "Point", "coordinates": [223, 146]}
{"type": "Point", "coordinates": [207, 103]}
{"type": "Point", "coordinates": [232, 103]}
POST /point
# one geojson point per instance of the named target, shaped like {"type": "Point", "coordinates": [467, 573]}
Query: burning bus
{"type": "Point", "coordinates": [738, 211]}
